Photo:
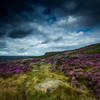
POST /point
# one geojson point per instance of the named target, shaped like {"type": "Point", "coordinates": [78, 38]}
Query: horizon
{"type": "Point", "coordinates": [45, 53]}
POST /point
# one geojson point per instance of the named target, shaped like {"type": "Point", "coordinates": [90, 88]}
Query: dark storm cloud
{"type": "Point", "coordinates": [9, 7]}
{"type": "Point", "coordinates": [19, 33]}
{"type": "Point", "coordinates": [90, 9]}
{"type": "Point", "coordinates": [51, 19]}
{"type": "Point", "coordinates": [47, 11]}
{"type": "Point", "coordinates": [2, 34]}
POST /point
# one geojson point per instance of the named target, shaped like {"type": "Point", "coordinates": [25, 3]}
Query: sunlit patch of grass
{"type": "Point", "coordinates": [16, 79]}
{"type": "Point", "coordinates": [45, 72]}
{"type": "Point", "coordinates": [63, 92]}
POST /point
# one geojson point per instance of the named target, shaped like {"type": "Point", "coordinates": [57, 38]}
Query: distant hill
{"type": "Point", "coordinates": [10, 58]}
{"type": "Point", "coordinates": [90, 49]}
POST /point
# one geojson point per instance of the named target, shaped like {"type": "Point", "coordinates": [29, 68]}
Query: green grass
{"type": "Point", "coordinates": [93, 49]}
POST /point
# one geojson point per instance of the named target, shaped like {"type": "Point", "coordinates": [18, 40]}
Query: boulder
{"type": "Point", "coordinates": [48, 85]}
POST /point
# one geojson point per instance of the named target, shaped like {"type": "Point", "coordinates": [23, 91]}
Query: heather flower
{"type": "Point", "coordinates": [98, 64]}
{"type": "Point", "coordinates": [17, 71]}
{"type": "Point", "coordinates": [7, 69]}
{"type": "Point", "coordinates": [71, 73]}
{"type": "Point", "coordinates": [91, 63]}
{"type": "Point", "coordinates": [53, 68]}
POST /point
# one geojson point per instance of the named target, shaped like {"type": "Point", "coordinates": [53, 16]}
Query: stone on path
{"type": "Point", "coordinates": [48, 85]}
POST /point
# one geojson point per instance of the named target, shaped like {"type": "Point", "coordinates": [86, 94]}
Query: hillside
{"type": "Point", "coordinates": [90, 49]}
{"type": "Point", "coordinates": [66, 75]}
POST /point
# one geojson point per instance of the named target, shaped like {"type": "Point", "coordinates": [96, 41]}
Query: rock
{"type": "Point", "coordinates": [47, 85]}
{"type": "Point", "coordinates": [83, 87]}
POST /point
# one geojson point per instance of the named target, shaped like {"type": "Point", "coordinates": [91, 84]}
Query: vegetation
{"type": "Point", "coordinates": [68, 75]}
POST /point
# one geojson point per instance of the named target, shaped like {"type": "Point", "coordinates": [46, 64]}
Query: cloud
{"type": "Point", "coordinates": [12, 9]}
{"type": "Point", "coordinates": [77, 34]}
{"type": "Point", "coordinates": [3, 53]}
{"type": "Point", "coordinates": [71, 19]}
{"type": "Point", "coordinates": [19, 33]}
{"type": "Point", "coordinates": [43, 37]}
{"type": "Point", "coordinates": [2, 44]}
{"type": "Point", "coordinates": [70, 5]}
{"type": "Point", "coordinates": [50, 25]}
{"type": "Point", "coordinates": [32, 45]}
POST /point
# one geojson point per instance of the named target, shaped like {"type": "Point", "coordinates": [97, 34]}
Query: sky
{"type": "Point", "coordinates": [34, 27]}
